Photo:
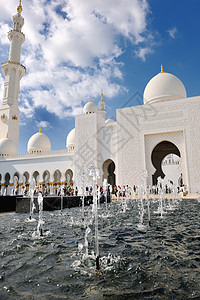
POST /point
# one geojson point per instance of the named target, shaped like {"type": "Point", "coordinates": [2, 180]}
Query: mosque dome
{"type": "Point", "coordinates": [163, 87]}
{"type": "Point", "coordinates": [7, 147]}
{"type": "Point", "coordinates": [70, 142]}
{"type": "Point", "coordinates": [39, 143]}
{"type": "Point", "coordinates": [90, 108]}
{"type": "Point", "coordinates": [109, 121]}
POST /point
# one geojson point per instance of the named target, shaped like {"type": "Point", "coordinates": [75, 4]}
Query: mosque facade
{"type": "Point", "coordinates": [168, 123]}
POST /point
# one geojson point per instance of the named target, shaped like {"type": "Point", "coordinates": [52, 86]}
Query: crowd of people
{"type": "Point", "coordinates": [127, 191]}
{"type": "Point", "coordinates": [117, 190]}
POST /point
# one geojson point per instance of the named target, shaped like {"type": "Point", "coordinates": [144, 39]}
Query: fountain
{"type": "Point", "coordinates": [32, 205]}
{"type": "Point", "coordinates": [83, 192]}
{"type": "Point", "coordinates": [162, 263]}
{"type": "Point", "coordinates": [160, 186]}
{"type": "Point", "coordinates": [94, 173]}
{"type": "Point", "coordinates": [141, 227]}
{"type": "Point", "coordinates": [148, 207]}
{"type": "Point", "coordinates": [105, 193]}
{"type": "Point", "coordinates": [61, 199]}
{"type": "Point", "coordinates": [144, 179]}
{"type": "Point", "coordinates": [40, 220]}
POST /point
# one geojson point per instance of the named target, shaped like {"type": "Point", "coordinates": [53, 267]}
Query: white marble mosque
{"type": "Point", "coordinates": [142, 137]}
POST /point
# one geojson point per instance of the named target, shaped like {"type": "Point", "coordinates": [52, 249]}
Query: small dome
{"type": "Point", "coordinates": [7, 147]}
{"type": "Point", "coordinates": [109, 121]}
{"type": "Point", "coordinates": [164, 87]}
{"type": "Point", "coordinates": [90, 108]}
{"type": "Point", "coordinates": [70, 142]}
{"type": "Point", "coordinates": [39, 143]}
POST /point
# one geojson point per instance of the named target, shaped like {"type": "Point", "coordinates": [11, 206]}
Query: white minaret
{"type": "Point", "coordinates": [102, 111]}
{"type": "Point", "coordinates": [13, 72]}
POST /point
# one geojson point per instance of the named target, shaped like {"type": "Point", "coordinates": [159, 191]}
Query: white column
{"type": "Point", "coordinates": [51, 182]}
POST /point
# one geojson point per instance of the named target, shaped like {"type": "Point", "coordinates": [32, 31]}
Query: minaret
{"type": "Point", "coordinates": [13, 72]}
{"type": "Point", "coordinates": [102, 110]}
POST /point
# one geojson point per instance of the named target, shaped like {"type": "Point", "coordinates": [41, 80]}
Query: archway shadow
{"type": "Point", "coordinates": [158, 154]}
{"type": "Point", "coordinates": [108, 171]}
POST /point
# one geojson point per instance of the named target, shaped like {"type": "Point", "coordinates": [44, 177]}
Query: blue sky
{"type": "Point", "coordinates": [75, 48]}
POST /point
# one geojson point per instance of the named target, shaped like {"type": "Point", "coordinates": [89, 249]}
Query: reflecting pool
{"type": "Point", "coordinates": [163, 263]}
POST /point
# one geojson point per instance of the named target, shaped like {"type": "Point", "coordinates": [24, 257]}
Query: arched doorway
{"type": "Point", "coordinates": [7, 183]}
{"type": "Point", "coordinates": [159, 153]}
{"type": "Point", "coordinates": [108, 171]}
{"type": "Point", "coordinates": [25, 179]}
{"type": "Point", "coordinates": [16, 183]}
{"type": "Point", "coordinates": [57, 178]}
{"type": "Point", "coordinates": [46, 177]}
{"type": "Point", "coordinates": [69, 177]}
{"type": "Point", "coordinates": [36, 178]}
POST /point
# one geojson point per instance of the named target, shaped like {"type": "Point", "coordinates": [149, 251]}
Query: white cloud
{"type": "Point", "coordinates": [43, 124]}
{"type": "Point", "coordinates": [26, 109]}
{"type": "Point", "coordinates": [73, 49]}
{"type": "Point", "coordinates": [4, 28]}
{"type": "Point", "coordinates": [142, 52]}
{"type": "Point", "coordinates": [172, 32]}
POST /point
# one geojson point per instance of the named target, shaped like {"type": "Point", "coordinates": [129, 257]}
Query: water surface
{"type": "Point", "coordinates": [163, 263]}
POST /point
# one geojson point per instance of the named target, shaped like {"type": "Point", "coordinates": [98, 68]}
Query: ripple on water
{"type": "Point", "coordinates": [163, 263]}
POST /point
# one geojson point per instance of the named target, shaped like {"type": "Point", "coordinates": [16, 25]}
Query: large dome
{"type": "Point", "coordinates": [39, 143]}
{"type": "Point", "coordinates": [7, 147]}
{"type": "Point", "coordinates": [90, 108]}
{"type": "Point", "coordinates": [70, 142]}
{"type": "Point", "coordinates": [162, 87]}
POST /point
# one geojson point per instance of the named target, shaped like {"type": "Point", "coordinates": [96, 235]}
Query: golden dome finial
{"type": "Point", "coordinates": [7, 135]}
{"type": "Point", "coordinates": [101, 94]}
{"type": "Point", "coordinates": [40, 130]}
{"type": "Point", "coordinates": [19, 7]}
{"type": "Point", "coordinates": [90, 100]}
{"type": "Point", "coordinates": [161, 71]}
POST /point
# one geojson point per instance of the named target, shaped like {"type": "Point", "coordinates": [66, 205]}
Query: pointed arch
{"type": "Point", "coordinates": [69, 176]}
{"type": "Point", "coordinates": [159, 152]}
{"type": "Point", "coordinates": [108, 168]}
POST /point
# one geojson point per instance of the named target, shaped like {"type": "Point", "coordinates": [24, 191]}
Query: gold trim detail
{"type": "Point", "coordinates": [101, 94]}
{"type": "Point", "coordinates": [3, 116]}
{"type": "Point", "coordinates": [19, 7]}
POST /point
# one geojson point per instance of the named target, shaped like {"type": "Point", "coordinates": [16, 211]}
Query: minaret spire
{"type": "Point", "coordinates": [101, 94]}
{"type": "Point", "coordinates": [19, 7]}
{"type": "Point", "coordinates": [102, 110]}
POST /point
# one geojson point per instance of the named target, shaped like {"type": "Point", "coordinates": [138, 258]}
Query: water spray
{"type": "Point", "coordinates": [40, 222]}
{"type": "Point", "coordinates": [61, 199]}
{"type": "Point", "coordinates": [94, 173]}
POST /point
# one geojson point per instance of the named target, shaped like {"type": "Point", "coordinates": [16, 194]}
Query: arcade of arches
{"type": "Point", "coordinates": [20, 183]}
{"type": "Point", "coordinates": [158, 154]}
